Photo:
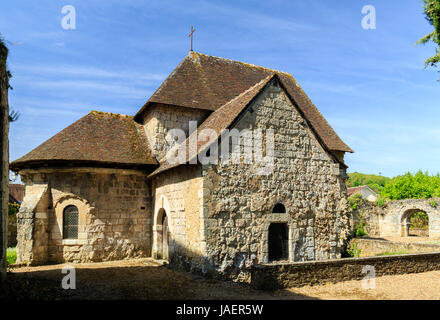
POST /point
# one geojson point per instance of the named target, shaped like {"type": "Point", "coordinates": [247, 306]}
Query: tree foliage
{"type": "Point", "coordinates": [419, 220]}
{"type": "Point", "coordinates": [420, 185]}
{"type": "Point", "coordinates": [375, 182]}
{"type": "Point", "coordinates": [13, 208]}
{"type": "Point", "coordinates": [432, 15]}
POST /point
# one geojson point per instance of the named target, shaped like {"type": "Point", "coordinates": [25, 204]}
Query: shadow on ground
{"type": "Point", "coordinates": [138, 281]}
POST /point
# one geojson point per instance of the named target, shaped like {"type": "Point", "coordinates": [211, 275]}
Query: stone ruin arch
{"type": "Point", "coordinates": [393, 220]}
{"type": "Point", "coordinates": [405, 222]}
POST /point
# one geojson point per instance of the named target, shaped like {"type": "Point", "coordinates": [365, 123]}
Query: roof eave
{"type": "Point", "coordinates": [17, 166]}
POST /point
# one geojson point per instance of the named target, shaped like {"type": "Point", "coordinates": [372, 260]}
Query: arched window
{"type": "Point", "coordinates": [70, 222]}
{"type": "Point", "coordinates": [279, 208]}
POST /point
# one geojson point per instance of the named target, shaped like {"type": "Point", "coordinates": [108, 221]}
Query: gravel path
{"type": "Point", "coordinates": [148, 279]}
{"type": "Point", "coordinates": [417, 286]}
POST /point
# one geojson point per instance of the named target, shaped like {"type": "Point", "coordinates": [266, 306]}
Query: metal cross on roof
{"type": "Point", "coordinates": [191, 35]}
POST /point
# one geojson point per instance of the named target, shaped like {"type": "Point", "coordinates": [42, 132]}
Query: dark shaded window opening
{"type": "Point", "coordinates": [70, 222]}
{"type": "Point", "coordinates": [278, 242]}
{"type": "Point", "coordinates": [279, 208]}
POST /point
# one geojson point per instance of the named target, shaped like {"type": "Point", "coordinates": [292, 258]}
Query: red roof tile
{"type": "Point", "coordinates": [16, 191]}
{"type": "Point", "coordinates": [206, 82]}
{"type": "Point", "coordinates": [98, 137]}
{"type": "Point", "coordinates": [218, 121]}
{"type": "Point", "coordinates": [357, 189]}
{"type": "Point", "coordinates": [199, 81]}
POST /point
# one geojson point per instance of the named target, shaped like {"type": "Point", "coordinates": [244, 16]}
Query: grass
{"type": "Point", "coordinates": [432, 242]}
{"type": "Point", "coordinates": [11, 255]}
{"type": "Point", "coordinates": [392, 253]}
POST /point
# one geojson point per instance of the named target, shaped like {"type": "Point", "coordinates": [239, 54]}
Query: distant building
{"type": "Point", "coordinates": [366, 192]}
{"type": "Point", "coordinates": [16, 193]}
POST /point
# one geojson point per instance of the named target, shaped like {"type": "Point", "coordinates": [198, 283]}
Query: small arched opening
{"type": "Point", "coordinates": [162, 235]}
{"type": "Point", "coordinates": [279, 208]}
{"type": "Point", "coordinates": [415, 223]}
{"type": "Point", "coordinates": [278, 242]}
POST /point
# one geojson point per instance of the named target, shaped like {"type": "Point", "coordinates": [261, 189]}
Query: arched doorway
{"type": "Point", "coordinates": [415, 223]}
{"type": "Point", "coordinates": [278, 242]}
{"type": "Point", "coordinates": [162, 236]}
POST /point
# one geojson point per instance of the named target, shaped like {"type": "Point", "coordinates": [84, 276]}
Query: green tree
{"type": "Point", "coordinates": [420, 185]}
{"type": "Point", "coordinates": [432, 15]}
{"type": "Point", "coordinates": [375, 182]}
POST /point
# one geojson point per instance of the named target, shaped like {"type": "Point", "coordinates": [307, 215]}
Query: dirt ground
{"type": "Point", "coordinates": [416, 286]}
{"type": "Point", "coordinates": [148, 279]}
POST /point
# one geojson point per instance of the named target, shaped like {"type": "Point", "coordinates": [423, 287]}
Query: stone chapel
{"type": "Point", "coordinates": [104, 189]}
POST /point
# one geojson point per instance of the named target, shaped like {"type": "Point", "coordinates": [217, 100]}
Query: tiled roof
{"type": "Point", "coordinates": [206, 82]}
{"type": "Point", "coordinates": [98, 137]}
{"type": "Point", "coordinates": [200, 81]}
{"type": "Point", "coordinates": [218, 121]}
{"type": "Point", "coordinates": [16, 192]}
{"type": "Point", "coordinates": [357, 189]}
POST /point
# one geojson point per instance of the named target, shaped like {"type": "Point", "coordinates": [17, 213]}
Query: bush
{"type": "Point", "coordinates": [412, 186]}
{"type": "Point", "coordinates": [380, 202]}
{"type": "Point", "coordinates": [375, 182]}
{"type": "Point", "coordinates": [419, 220]}
{"type": "Point", "coordinates": [11, 255]}
{"type": "Point", "coordinates": [361, 227]}
{"type": "Point", "coordinates": [360, 230]}
{"type": "Point", "coordinates": [354, 251]}
{"type": "Point", "coordinates": [355, 200]}
{"type": "Point", "coordinates": [433, 204]}
{"type": "Point", "coordinates": [13, 208]}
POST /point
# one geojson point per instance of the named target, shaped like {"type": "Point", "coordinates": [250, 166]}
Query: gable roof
{"type": "Point", "coordinates": [207, 82]}
{"type": "Point", "coordinates": [98, 137]}
{"type": "Point", "coordinates": [218, 121]}
{"type": "Point", "coordinates": [353, 190]}
{"type": "Point", "coordinates": [16, 192]}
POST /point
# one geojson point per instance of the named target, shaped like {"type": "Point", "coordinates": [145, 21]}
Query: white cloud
{"type": "Point", "coordinates": [85, 71]}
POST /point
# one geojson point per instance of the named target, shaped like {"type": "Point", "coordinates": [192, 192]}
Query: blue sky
{"type": "Point", "coordinates": [370, 85]}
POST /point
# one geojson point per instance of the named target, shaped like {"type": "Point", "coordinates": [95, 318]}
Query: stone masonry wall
{"type": "Point", "coordinates": [114, 215]}
{"type": "Point", "coordinates": [158, 119]}
{"type": "Point", "coordinates": [285, 275]}
{"type": "Point", "coordinates": [373, 247]}
{"type": "Point", "coordinates": [179, 193]}
{"type": "Point", "coordinates": [368, 213]}
{"type": "Point", "coordinates": [310, 184]}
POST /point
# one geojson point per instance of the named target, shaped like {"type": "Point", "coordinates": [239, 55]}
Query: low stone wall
{"type": "Point", "coordinates": [12, 230]}
{"type": "Point", "coordinates": [299, 274]}
{"type": "Point", "coordinates": [372, 247]}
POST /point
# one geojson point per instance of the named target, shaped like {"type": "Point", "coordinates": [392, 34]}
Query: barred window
{"type": "Point", "coordinates": [70, 222]}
